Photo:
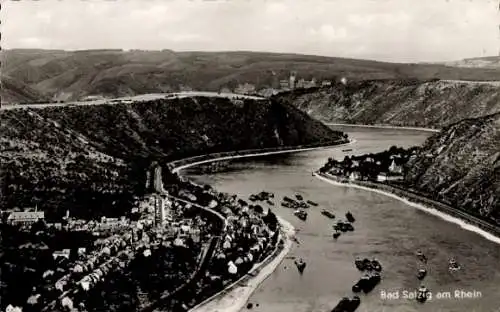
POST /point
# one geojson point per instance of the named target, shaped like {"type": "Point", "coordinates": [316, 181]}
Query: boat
{"type": "Point", "coordinates": [421, 273]}
{"type": "Point", "coordinates": [327, 214]}
{"type": "Point", "coordinates": [269, 202]}
{"type": "Point", "coordinates": [347, 150]}
{"type": "Point", "coordinates": [310, 202]}
{"type": "Point", "coordinates": [350, 217]}
{"type": "Point", "coordinates": [347, 305]}
{"type": "Point", "coordinates": [301, 265]}
{"type": "Point", "coordinates": [301, 214]}
{"type": "Point", "coordinates": [288, 199]}
{"type": "Point", "coordinates": [303, 205]}
{"type": "Point", "coordinates": [367, 283]}
{"type": "Point", "coordinates": [422, 294]}
{"type": "Point", "coordinates": [285, 204]}
{"type": "Point", "coordinates": [348, 227]}
{"type": "Point", "coordinates": [421, 256]}
{"type": "Point", "coordinates": [376, 266]}
{"type": "Point", "coordinates": [453, 265]}
{"type": "Point", "coordinates": [299, 197]}
{"type": "Point", "coordinates": [358, 262]}
{"type": "Point", "coordinates": [252, 197]}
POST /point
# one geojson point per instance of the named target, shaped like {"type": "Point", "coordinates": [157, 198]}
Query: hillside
{"type": "Point", "coordinates": [461, 165]}
{"type": "Point", "coordinates": [477, 62]}
{"type": "Point", "coordinates": [16, 91]}
{"type": "Point", "coordinates": [401, 103]}
{"type": "Point", "coordinates": [93, 159]}
{"type": "Point", "coordinates": [65, 75]}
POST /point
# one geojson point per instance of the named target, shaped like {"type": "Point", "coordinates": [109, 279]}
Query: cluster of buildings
{"type": "Point", "coordinates": [81, 269]}
{"type": "Point", "coordinates": [361, 167]}
{"type": "Point", "coordinates": [282, 85]}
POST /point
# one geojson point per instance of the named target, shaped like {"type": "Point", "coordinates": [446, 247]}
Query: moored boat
{"type": "Point", "coordinates": [421, 256]}
{"type": "Point", "coordinates": [327, 214]}
{"type": "Point", "coordinates": [310, 202]}
{"type": "Point", "coordinates": [269, 202]}
{"type": "Point", "coordinates": [453, 265]}
{"type": "Point", "coordinates": [301, 214]}
{"type": "Point", "coordinates": [358, 262]}
{"type": "Point", "coordinates": [350, 217]}
{"type": "Point", "coordinates": [301, 265]}
{"type": "Point", "coordinates": [421, 273]}
{"type": "Point", "coordinates": [299, 197]}
{"type": "Point", "coordinates": [376, 266]}
{"type": "Point", "coordinates": [347, 305]}
{"type": "Point", "coordinates": [422, 294]}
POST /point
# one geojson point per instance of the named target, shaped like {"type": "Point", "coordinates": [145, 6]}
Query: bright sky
{"type": "Point", "coordinates": [390, 30]}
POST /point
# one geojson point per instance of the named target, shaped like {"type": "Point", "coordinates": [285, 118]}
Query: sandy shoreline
{"type": "Point", "coordinates": [237, 296]}
{"type": "Point", "coordinates": [435, 212]}
{"type": "Point", "coordinates": [383, 127]}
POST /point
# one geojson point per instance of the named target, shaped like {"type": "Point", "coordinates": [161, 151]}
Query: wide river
{"type": "Point", "coordinates": [385, 228]}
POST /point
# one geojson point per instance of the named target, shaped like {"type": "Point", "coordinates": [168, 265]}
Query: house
{"type": "Point", "coordinates": [354, 176]}
{"type": "Point", "coordinates": [396, 166]}
{"type": "Point", "coordinates": [61, 253]}
{"type": "Point", "coordinates": [284, 84]}
{"type": "Point", "coordinates": [25, 217]}
{"type": "Point", "coordinates": [384, 176]}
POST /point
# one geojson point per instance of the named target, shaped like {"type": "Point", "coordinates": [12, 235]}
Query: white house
{"type": "Point", "coordinates": [354, 176]}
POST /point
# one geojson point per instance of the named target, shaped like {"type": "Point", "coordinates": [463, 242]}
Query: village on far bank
{"type": "Point", "coordinates": [388, 165]}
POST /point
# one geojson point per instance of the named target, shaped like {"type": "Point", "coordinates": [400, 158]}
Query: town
{"type": "Point", "coordinates": [380, 167]}
{"type": "Point", "coordinates": [83, 265]}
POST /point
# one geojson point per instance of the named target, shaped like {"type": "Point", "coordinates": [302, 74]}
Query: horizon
{"type": "Point", "coordinates": [430, 31]}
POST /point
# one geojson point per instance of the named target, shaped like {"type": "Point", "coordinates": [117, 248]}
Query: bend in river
{"type": "Point", "coordinates": [385, 228]}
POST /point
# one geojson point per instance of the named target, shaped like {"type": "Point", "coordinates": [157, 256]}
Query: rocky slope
{"type": "Point", "coordinates": [92, 159]}
{"type": "Point", "coordinates": [401, 103]}
{"type": "Point", "coordinates": [478, 62]}
{"type": "Point", "coordinates": [461, 165]}
{"type": "Point", "coordinates": [65, 75]}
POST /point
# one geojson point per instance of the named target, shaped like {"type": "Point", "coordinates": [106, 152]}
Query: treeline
{"type": "Point", "coordinates": [92, 160]}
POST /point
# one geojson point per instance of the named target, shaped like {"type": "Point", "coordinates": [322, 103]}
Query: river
{"type": "Point", "coordinates": [385, 228]}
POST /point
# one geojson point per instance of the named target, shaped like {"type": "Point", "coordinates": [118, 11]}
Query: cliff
{"type": "Point", "coordinates": [71, 75]}
{"type": "Point", "coordinates": [432, 104]}
{"type": "Point", "coordinates": [461, 166]}
{"type": "Point", "coordinates": [93, 159]}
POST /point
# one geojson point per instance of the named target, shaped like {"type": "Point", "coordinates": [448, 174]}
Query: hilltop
{"type": "Point", "coordinates": [477, 62]}
{"type": "Point", "coordinates": [92, 160]}
{"type": "Point", "coordinates": [411, 103]}
{"type": "Point", "coordinates": [71, 75]}
{"type": "Point", "coordinates": [461, 165]}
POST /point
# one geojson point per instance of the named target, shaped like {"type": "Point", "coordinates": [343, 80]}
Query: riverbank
{"type": "Point", "coordinates": [465, 221]}
{"type": "Point", "coordinates": [234, 296]}
{"type": "Point", "coordinates": [181, 164]}
{"type": "Point", "coordinates": [383, 127]}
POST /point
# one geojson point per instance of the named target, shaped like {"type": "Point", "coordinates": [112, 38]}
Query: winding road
{"type": "Point", "coordinates": [385, 228]}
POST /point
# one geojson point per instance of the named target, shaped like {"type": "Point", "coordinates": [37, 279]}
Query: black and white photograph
{"type": "Point", "coordinates": [250, 155]}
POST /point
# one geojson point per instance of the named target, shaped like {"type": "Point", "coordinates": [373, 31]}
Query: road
{"type": "Point", "coordinates": [143, 97]}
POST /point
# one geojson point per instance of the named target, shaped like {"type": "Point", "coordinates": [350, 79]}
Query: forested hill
{"type": "Point", "coordinates": [71, 75]}
{"type": "Point", "coordinates": [412, 103]}
{"type": "Point", "coordinates": [461, 165]}
{"type": "Point", "coordinates": [92, 159]}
